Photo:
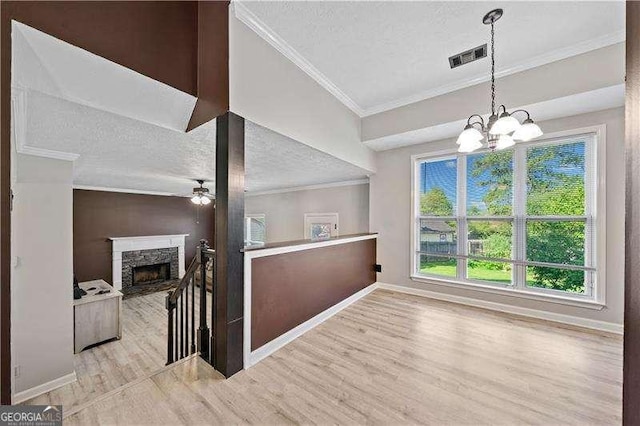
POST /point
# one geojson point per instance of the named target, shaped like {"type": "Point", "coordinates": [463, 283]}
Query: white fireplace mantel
{"type": "Point", "coordinates": [123, 244]}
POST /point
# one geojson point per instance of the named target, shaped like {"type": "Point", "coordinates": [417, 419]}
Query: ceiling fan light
{"type": "Point", "coordinates": [504, 125]}
{"type": "Point", "coordinates": [196, 199]}
{"type": "Point", "coordinates": [470, 146]}
{"type": "Point", "coordinates": [505, 141]}
{"type": "Point", "coordinates": [469, 134]}
{"type": "Point", "coordinates": [528, 131]}
{"type": "Point", "coordinates": [204, 200]}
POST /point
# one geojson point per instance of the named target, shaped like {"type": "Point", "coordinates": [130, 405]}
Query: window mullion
{"type": "Point", "coordinates": [461, 212]}
{"type": "Point", "coordinates": [590, 183]}
{"type": "Point", "coordinates": [519, 212]}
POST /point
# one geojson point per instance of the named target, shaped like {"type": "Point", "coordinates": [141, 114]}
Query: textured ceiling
{"type": "Point", "coordinates": [384, 54]}
{"type": "Point", "coordinates": [275, 161]}
{"type": "Point", "coordinates": [128, 129]}
{"type": "Point", "coordinates": [118, 152]}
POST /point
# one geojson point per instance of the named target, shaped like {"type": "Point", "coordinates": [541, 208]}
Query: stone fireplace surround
{"type": "Point", "coordinates": [131, 259]}
{"type": "Point", "coordinates": [146, 250]}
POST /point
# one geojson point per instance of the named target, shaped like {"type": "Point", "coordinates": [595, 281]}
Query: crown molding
{"type": "Point", "coordinates": [127, 191]}
{"type": "Point", "coordinates": [267, 34]}
{"type": "Point", "coordinates": [308, 187]}
{"type": "Point", "coordinates": [537, 61]}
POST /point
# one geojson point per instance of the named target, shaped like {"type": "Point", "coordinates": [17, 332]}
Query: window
{"type": "Point", "coordinates": [255, 229]}
{"type": "Point", "coordinates": [320, 226]}
{"type": "Point", "coordinates": [521, 219]}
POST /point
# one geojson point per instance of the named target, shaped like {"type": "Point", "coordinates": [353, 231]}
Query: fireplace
{"type": "Point", "coordinates": [150, 274]}
{"type": "Point", "coordinates": [149, 270]}
{"type": "Point", "coordinates": [133, 252]}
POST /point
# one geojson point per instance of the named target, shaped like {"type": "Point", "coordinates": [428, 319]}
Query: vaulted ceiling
{"type": "Point", "coordinates": [375, 56]}
{"type": "Point", "coordinates": [126, 131]}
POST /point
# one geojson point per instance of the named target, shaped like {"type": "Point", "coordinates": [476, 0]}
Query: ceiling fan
{"type": "Point", "coordinates": [201, 195]}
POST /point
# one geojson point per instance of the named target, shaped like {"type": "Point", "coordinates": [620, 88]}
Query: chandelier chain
{"type": "Point", "coordinates": [493, 71]}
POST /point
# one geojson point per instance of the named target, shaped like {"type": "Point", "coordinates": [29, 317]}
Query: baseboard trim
{"type": "Point", "coordinates": [510, 309]}
{"type": "Point", "coordinates": [43, 388]}
{"type": "Point", "coordinates": [277, 343]}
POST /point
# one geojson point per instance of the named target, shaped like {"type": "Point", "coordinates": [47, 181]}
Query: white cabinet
{"type": "Point", "coordinates": [96, 317]}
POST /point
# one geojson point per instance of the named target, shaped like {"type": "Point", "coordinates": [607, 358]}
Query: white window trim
{"type": "Point", "coordinates": [598, 166]}
{"type": "Point", "coordinates": [247, 229]}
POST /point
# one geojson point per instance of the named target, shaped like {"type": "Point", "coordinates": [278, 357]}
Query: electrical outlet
{"type": "Point", "coordinates": [378, 267]}
{"type": "Point", "coordinates": [16, 371]}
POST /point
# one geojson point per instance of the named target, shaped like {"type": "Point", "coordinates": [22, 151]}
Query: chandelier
{"type": "Point", "coordinates": [502, 129]}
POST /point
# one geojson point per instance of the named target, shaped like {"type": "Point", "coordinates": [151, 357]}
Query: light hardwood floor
{"type": "Point", "coordinates": [111, 365]}
{"type": "Point", "coordinates": [392, 358]}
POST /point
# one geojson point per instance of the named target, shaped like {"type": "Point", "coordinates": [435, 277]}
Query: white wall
{"type": "Point", "coordinates": [285, 211]}
{"type": "Point", "coordinates": [268, 89]}
{"type": "Point", "coordinates": [42, 274]}
{"type": "Point", "coordinates": [391, 218]}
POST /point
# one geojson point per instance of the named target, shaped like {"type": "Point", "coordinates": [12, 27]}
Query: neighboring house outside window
{"type": "Point", "coordinates": [522, 219]}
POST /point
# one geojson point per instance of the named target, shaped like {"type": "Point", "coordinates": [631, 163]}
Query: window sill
{"type": "Point", "coordinates": [523, 294]}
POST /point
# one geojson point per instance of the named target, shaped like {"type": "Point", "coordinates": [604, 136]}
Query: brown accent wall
{"type": "Point", "coordinates": [155, 38]}
{"type": "Point", "coordinates": [213, 62]}
{"type": "Point", "coordinates": [98, 215]}
{"type": "Point", "coordinates": [289, 289]}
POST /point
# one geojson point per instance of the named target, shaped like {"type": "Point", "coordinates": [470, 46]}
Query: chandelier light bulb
{"type": "Point", "coordinates": [204, 200]}
{"type": "Point", "coordinates": [505, 125]}
{"type": "Point", "coordinates": [469, 146]}
{"type": "Point", "coordinates": [505, 141]}
{"type": "Point", "coordinates": [528, 131]}
{"type": "Point", "coordinates": [196, 200]}
{"type": "Point", "coordinates": [469, 134]}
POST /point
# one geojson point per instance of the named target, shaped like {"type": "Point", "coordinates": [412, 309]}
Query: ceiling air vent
{"type": "Point", "coordinates": [468, 56]}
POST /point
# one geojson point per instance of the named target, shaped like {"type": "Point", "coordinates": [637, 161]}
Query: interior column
{"type": "Point", "coordinates": [631, 373]}
{"type": "Point", "coordinates": [227, 308]}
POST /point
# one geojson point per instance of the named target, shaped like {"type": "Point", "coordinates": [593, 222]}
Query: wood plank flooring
{"type": "Point", "coordinates": [111, 365]}
{"type": "Point", "coordinates": [392, 358]}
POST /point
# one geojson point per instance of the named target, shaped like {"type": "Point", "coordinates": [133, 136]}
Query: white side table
{"type": "Point", "coordinates": [96, 317]}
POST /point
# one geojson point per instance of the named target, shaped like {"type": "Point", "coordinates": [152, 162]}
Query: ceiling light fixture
{"type": "Point", "coordinates": [502, 129]}
{"type": "Point", "coordinates": [201, 194]}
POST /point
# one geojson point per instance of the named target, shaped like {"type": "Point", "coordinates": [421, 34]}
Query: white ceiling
{"type": "Point", "coordinates": [380, 55]}
{"type": "Point", "coordinates": [117, 152]}
{"type": "Point", "coordinates": [49, 65]}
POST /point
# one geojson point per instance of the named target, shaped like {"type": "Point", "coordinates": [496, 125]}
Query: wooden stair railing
{"type": "Point", "coordinates": [181, 309]}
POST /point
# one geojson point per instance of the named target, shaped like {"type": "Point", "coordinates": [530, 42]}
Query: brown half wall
{"type": "Point", "coordinates": [290, 288]}
{"type": "Point", "coordinates": [98, 215]}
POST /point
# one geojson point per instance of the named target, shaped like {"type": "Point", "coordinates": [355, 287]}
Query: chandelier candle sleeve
{"type": "Point", "coordinates": [502, 128]}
